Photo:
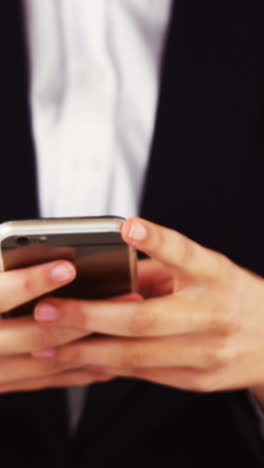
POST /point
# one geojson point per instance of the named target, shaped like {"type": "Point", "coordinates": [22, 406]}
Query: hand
{"type": "Point", "coordinates": [21, 337]}
{"type": "Point", "coordinates": [204, 332]}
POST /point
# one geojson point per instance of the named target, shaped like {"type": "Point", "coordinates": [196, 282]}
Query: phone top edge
{"type": "Point", "coordinates": [60, 226]}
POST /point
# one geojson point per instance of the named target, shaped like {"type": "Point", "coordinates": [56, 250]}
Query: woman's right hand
{"type": "Point", "coordinates": [22, 337]}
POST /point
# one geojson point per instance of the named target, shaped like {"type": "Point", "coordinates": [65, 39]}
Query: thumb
{"type": "Point", "coordinates": [169, 247]}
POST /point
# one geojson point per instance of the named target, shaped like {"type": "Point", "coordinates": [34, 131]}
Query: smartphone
{"type": "Point", "coordinates": [106, 266]}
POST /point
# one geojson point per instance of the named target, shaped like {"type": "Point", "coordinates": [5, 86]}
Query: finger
{"type": "Point", "coordinates": [170, 247]}
{"type": "Point", "coordinates": [171, 315]}
{"type": "Point", "coordinates": [154, 280]}
{"type": "Point", "coordinates": [200, 352]}
{"type": "Point", "coordinates": [26, 367]}
{"type": "Point", "coordinates": [24, 335]}
{"type": "Point", "coordinates": [190, 379]}
{"type": "Point", "coordinates": [131, 297]}
{"type": "Point", "coordinates": [77, 377]}
{"type": "Point", "coordinates": [20, 286]}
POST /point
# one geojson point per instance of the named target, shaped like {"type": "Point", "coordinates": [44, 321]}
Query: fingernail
{"type": "Point", "coordinates": [137, 231]}
{"type": "Point", "coordinates": [46, 313]}
{"type": "Point", "coordinates": [63, 272]}
{"type": "Point", "coordinates": [45, 354]}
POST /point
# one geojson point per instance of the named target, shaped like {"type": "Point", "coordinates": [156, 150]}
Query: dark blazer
{"type": "Point", "coordinates": [205, 179]}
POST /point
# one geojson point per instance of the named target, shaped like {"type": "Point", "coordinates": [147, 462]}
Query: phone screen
{"type": "Point", "coordinates": [102, 261]}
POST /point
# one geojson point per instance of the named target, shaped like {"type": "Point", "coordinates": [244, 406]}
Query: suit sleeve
{"type": "Point", "coordinates": [259, 411]}
{"type": "Point", "coordinates": [249, 422]}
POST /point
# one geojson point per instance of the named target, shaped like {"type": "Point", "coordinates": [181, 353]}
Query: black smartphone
{"type": "Point", "coordinates": [106, 266]}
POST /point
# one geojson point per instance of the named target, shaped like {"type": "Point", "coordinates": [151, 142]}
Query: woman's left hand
{"type": "Point", "coordinates": [200, 326]}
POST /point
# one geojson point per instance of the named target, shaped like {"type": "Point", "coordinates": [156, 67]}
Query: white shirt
{"type": "Point", "coordinates": [94, 91]}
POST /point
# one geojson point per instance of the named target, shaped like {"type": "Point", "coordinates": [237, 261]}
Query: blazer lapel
{"type": "Point", "coordinates": [18, 192]}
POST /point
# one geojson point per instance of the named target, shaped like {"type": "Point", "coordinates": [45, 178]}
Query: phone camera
{"type": "Point", "coordinates": [22, 241]}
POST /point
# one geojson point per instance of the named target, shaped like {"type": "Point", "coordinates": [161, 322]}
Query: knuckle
{"type": "Point", "coordinates": [49, 337]}
{"type": "Point", "coordinates": [224, 319]}
{"type": "Point", "coordinates": [230, 323]}
{"type": "Point", "coordinates": [221, 354]}
{"type": "Point", "coordinates": [228, 272]}
{"type": "Point", "coordinates": [42, 338]}
{"type": "Point", "coordinates": [142, 322]}
{"type": "Point", "coordinates": [73, 355]}
{"type": "Point", "coordinates": [74, 312]}
{"type": "Point", "coordinates": [30, 284]}
{"type": "Point", "coordinates": [225, 354]}
{"type": "Point", "coordinates": [186, 251]}
{"type": "Point", "coordinates": [81, 314]}
{"type": "Point", "coordinates": [210, 358]}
